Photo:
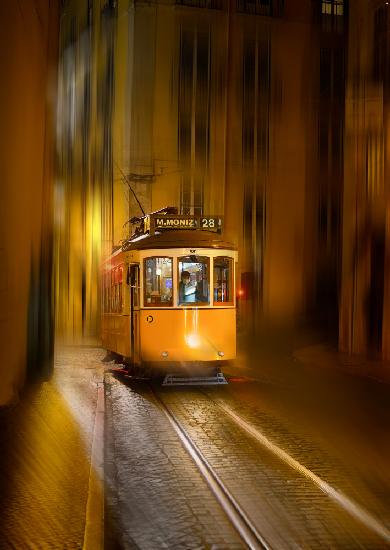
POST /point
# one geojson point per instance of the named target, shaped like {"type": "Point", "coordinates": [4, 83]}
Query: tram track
{"type": "Point", "coordinates": [237, 516]}
{"type": "Point", "coordinates": [348, 504]}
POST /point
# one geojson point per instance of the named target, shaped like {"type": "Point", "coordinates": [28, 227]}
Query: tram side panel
{"type": "Point", "coordinates": [106, 333]}
{"type": "Point", "coordinates": [115, 333]}
{"type": "Point", "coordinates": [115, 328]}
{"type": "Point", "coordinates": [122, 328]}
{"type": "Point", "coordinates": [136, 354]}
{"type": "Point", "coordinates": [201, 335]}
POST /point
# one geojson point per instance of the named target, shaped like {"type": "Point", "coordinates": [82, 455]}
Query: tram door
{"type": "Point", "coordinates": [134, 313]}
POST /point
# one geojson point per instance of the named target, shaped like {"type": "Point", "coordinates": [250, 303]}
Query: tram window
{"type": "Point", "coordinates": [120, 293]}
{"type": "Point", "coordinates": [134, 282]}
{"type": "Point", "coordinates": [114, 291]}
{"type": "Point", "coordinates": [120, 304]}
{"type": "Point", "coordinates": [109, 292]}
{"type": "Point", "coordinates": [193, 280]}
{"type": "Point", "coordinates": [158, 282]}
{"type": "Point", "coordinates": [106, 295]}
{"type": "Point", "coordinates": [223, 280]}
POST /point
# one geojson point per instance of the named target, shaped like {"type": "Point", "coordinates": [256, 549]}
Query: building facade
{"type": "Point", "coordinates": [28, 37]}
{"type": "Point", "coordinates": [263, 111]}
{"type": "Point", "coordinates": [364, 304]}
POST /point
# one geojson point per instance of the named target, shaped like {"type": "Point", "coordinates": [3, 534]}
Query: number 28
{"type": "Point", "coordinates": [208, 222]}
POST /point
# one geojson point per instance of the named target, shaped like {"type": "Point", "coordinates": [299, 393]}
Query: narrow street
{"type": "Point", "coordinates": [287, 509]}
{"type": "Point", "coordinates": [197, 189]}
{"type": "Point", "coordinates": [300, 472]}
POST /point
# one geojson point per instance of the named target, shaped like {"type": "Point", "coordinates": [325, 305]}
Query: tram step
{"type": "Point", "coordinates": [172, 380]}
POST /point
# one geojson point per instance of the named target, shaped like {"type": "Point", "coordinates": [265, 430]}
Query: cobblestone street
{"type": "Point", "coordinates": [154, 493]}
{"type": "Point", "coordinates": [156, 496]}
{"type": "Point", "coordinates": [288, 509]}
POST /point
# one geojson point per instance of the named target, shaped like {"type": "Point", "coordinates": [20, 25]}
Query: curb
{"type": "Point", "coordinates": [94, 520]}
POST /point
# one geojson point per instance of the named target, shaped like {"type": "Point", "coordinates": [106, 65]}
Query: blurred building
{"type": "Point", "coordinates": [271, 113]}
{"type": "Point", "coordinates": [142, 116]}
{"type": "Point", "coordinates": [364, 305]}
{"type": "Point", "coordinates": [28, 65]}
{"type": "Point", "coordinates": [286, 110]}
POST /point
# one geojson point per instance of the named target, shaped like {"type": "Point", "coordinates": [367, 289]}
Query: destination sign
{"type": "Point", "coordinates": [178, 222]}
{"type": "Point", "coordinates": [207, 223]}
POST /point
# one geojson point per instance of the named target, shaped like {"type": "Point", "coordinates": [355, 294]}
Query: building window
{"type": "Point", "coordinates": [332, 15]}
{"type": "Point", "coordinates": [332, 7]}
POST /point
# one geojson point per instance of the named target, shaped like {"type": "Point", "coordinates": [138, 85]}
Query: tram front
{"type": "Point", "coordinates": [187, 317]}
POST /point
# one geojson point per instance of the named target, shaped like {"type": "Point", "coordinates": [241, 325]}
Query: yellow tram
{"type": "Point", "coordinates": [168, 298]}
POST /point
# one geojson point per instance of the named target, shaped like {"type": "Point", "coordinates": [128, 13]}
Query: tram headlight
{"type": "Point", "coordinates": [164, 354]}
{"type": "Point", "coordinates": [193, 340]}
{"type": "Point", "coordinates": [221, 354]}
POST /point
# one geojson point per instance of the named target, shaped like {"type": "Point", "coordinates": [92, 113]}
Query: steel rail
{"type": "Point", "coordinates": [345, 502]}
{"type": "Point", "coordinates": [240, 521]}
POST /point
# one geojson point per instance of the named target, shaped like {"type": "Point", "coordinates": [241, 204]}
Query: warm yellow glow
{"type": "Point", "coordinates": [193, 340]}
{"type": "Point", "coordinates": [191, 333]}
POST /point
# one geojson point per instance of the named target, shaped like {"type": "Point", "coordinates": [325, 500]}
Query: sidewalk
{"type": "Point", "coordinates": [325, 357]}
{"type": "Point", "coordinates": [46, 478]}
{"type": "Point", "coordinates": [283, 361]}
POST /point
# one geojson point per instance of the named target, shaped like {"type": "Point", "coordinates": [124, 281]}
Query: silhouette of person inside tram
{"type": "Point", "coordinates": [190, 292]}
{"type": "Point", "coordinates": [187, 289]}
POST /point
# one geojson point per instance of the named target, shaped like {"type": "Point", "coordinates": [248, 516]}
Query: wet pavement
{"type": "Point", "coordinates": [333, 421]}
{"type": "Point", "coordinates": [156, 497]}
{"type": "Point", "coordinates": [45, 467]}
{"type": "Point", "coordinates": [289, 510]}
{"type": "Point", "coordinates": [330, 423]}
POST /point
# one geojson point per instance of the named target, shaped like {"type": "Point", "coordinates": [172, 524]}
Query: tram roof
{"type": "Point", "coordinates": [179, 239]}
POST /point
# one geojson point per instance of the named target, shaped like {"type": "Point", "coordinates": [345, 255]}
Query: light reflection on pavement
{"type": "Point", "coordinates": [334, 424]}
{"type": "Point", "coordinates": [45, 459]}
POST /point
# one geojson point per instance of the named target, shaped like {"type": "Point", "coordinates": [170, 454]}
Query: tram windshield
{"type": "Point", "coordinates": [223, 280]}
{"type": "Point", "coordinates": [158, 282]}
{"type": "Point", "coordinates": [193, 280]}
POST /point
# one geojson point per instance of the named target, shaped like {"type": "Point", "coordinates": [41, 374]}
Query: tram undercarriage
{"type": "Point", "coordinates": [171, 374]}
